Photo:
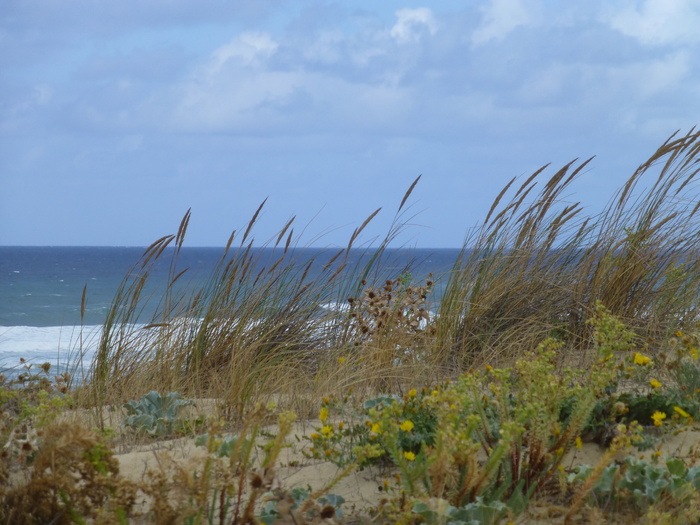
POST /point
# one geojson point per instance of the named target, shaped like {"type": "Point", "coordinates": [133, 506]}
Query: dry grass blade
{"type": "Point", "coordinates": [358, 230]}
{"type": "Point", "coordinates": [284, 230]}
{"type": "Point", "coordinates": [253, 221]}
{"type": "Point", "coordinates": [500, 196]}
{"type": "Point", "coordinates": [408, 193]}
{"type": "Point", "coordinates": [180, 237]}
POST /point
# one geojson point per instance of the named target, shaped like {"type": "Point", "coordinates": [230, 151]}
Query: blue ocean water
{"type": "Point", "coordinates": [41, 290]}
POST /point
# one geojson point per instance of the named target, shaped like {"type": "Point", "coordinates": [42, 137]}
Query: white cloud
{"type": "Point", "coordinates": [412, 23]}
{"type": "Point", "coordinates": [500, 18]}
{"type": "Point", "coordinates": [231, 84]}
{"type": "Point", "coordinates": [248, 49]}
{"type": "Point", "coordinates": [658, 22]}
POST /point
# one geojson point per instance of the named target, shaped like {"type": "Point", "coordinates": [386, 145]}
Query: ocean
{"type": "Point", "coordinates": [41, 290]}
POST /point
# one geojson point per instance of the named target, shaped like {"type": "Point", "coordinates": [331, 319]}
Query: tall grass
{"type": "Point", "coordinates": [254, 329]}
{"type": "Point", "coordinates": [534, 268]}
{"type": "Point", "coordinates": [537, 264]}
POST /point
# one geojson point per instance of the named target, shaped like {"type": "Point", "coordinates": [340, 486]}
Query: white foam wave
{"type": "Point", "coordinates": [53, 344]}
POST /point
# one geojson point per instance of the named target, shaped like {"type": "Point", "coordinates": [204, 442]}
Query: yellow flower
{"type": "Point", "coordinates": [412, 392]}
{"type": "Point", "coordinates": [327, 430]}
{"type": "Point", "coordinates": [406, 426]}
{"type": "Point", "coordinates": [323, 414]}
{"type": "Point", "coordinates": [658, 418]}
{"type": "Point", "coordinates": [655, 383]}
{"type": "Point", "coordinates": [410, 456]}
{"type": "Point", "coordinates": [641, 359]}
{"type": "Point", "coordinates": [579, 443]}
{"type": "Point", "coordinates": [681, 412]}
{"type": "Point", "coordinates": [376, 428]}
{"type": "Point", "coordinates": [341, 359]}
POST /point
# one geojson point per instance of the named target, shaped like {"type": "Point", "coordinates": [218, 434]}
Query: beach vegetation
{"type": "Point", "coordinates": [471, 396]}
{"type": "Point", "coordinates": [158, 415]}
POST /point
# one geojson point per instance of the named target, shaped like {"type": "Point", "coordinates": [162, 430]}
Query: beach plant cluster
{"type": "Point", "coordinates": [493, 435]}
{"type": "Point", "coordinates": [671, 489]}
{"type": "Point", "coordinates": [389, 328]}
{"type": "Point", "coordinates": [159, 415]}
{"type": "Point", "coordinates": [70, 475]}
{"type": "Point", "coordinates": [482, 447]}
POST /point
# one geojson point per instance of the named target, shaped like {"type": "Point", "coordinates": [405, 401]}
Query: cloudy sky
{"type": "Point", "coordinates": [116, 117]}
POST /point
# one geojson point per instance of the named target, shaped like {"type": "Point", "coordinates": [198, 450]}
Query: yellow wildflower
{"type": "Point", "coordinates": [641, 359]}
{"type": "Point", "coordinates": [681, 412]}
{"type": "Point", "coordinates": [323, 414]}
{"type": "Point", "coordinates": [412, 392]}
{"type": "Point", "coordinates": [327, 430]}
{"type": "Point", "coordinates": [410, 456]}
{"type": "Point", "coordinates": [655, 383]}
{"type": "Point", "coordinates": [579, 443]}
{"type": "Point", "coordinates": [407, 426]}
{"type": "Point", "coordinates": [658, 418]}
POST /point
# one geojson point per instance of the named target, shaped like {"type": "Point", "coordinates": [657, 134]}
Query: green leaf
{"type": "Point", "coordinates": [676, 467]}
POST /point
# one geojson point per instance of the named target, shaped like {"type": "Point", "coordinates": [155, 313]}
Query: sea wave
{"type": "Point", "coordinates": [58, 345]}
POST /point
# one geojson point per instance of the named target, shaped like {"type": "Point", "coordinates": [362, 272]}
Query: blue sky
{"type": "Point", "coordinates": [116, 117]}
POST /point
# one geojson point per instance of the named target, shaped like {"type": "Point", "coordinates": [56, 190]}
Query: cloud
{"type": "Point", "coordinates": [660, 22]}
{"type": "Point", "coordinates": [412, 24]}
{"type": "Point", "coordinates": [249, 48]}
{"type": "Point", "coordinates": [500, 18]}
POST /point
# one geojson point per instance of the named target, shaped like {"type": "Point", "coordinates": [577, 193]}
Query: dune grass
{"type": "Point", "coordinates": [253, 330]}
{"type": "Point", "coordinates": [534, 268]}
{"type": "Point", "coordinates": [537, 264]}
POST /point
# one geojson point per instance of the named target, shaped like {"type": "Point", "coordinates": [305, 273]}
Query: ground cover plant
{"type": "Point", "coordinates": [554, 329]}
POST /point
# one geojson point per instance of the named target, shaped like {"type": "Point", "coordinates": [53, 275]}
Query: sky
{"type": "Point", "coordinates": [118, 117]}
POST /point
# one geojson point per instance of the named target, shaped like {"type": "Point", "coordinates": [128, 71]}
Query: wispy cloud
{"type": "Point", "coordinates": [659, 22]}
{"type": "Point", "coordinates": [500, 17]}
